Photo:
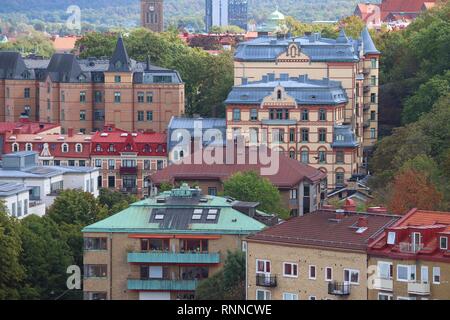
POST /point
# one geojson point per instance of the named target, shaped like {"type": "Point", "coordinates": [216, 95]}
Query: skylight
{"type": "Point", "coordinates": [159, 217]}
{"type": "Point", "coordinates": [391, 238]}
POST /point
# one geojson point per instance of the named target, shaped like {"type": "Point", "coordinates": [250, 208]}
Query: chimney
{"type": "Point", "coordinates": [350, 205]}
{"type": "Point", "coordinates": [24, 118]}
{"type": "Point", "coordinates": [363, 222]}
{"type": "Point", "coordinates": [70, 132]}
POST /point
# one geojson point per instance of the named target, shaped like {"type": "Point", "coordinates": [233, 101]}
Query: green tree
{"type": "Point", "coordinates": [11, 271]}
{"type": "Point", "coordinates": [250, 186]}
{"type": "Point", "coordinates": [31, 43]}
{"type": "Point", "coordinates": [115, 201]}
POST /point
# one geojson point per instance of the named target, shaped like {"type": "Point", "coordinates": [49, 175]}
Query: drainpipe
{"type": "Point", "coordinates": [110, 264]}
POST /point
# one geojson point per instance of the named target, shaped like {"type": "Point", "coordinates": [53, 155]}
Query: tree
{"type": "Point", "coordinates": [32, 43]}
{"type": "Point", "coordinates": [250, 186]}
{"type": "Point", "coordinates": [11, 271]}
{"type": "Point", "coordinates": [115, 201]}
{"type": "Point", "coordinates": [353, 25]}
{"type": "Point", "coordinates": [228, 283]}
{"type": "Point", "coordinates": [413, 189]}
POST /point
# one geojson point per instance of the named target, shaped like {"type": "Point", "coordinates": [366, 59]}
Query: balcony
{"type": "Point", "coordinates": [130, 190]}
{"type": "Point", "coordinates": [174, 258]}
{"type": "Point", "coordinates": [339, 288]}
{"type": "Point", "coordinates": [419, 288]}
{"type": "Point", "coordinates": [35, 203]}
{"type": "Point", "coordinates": [366, 106]}
{"type": "Point", "coordinates": [366, 88]}
{"type": "Point", "coordinates": [266, 280]}
{"type": "Point", "coordinates": [129, 170]}
{"type": "Point", "coordinates": [383, 284]}
{"type": "Point", "coordinates": [162, 285]}
{"type": "Point", "coordinates": [407, 247]}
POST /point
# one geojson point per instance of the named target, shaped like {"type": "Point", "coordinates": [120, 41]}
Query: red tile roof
{"type": "Point", "coordinates": [64, 44]}
{"type": "Point", "coordinates": [366, 10]}
{"type": "Point", "coordinates": [26, 127]}
{"type": "Point", "coordinates": [322, 229]}
{"type": "Point", "coordinates": [406, 6]}
{"type": "Point", "coordinates": [289, 174]}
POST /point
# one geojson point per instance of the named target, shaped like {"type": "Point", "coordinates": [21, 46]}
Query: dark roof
{"type": "Point", "coordinates": [290, 172]}
{"type": "Point", "coordinates": [12, 65]}
{"type": "Point", "coordinates": [368, 45]}
{"type": "Point", "coordinates": [322, 229]}
{"type": "Point", "coordinates": [120, 62]}
{"type": "Point", "coordinates": [64, 67]}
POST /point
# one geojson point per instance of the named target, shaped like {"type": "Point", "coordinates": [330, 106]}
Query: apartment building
{"type": "Point", "coordinates": [127, 159]}
{"type": "Point", "coordinates": [353, 62]}
{"type": "Point", "coordinates": [16, 198]}
{"type": "Point", "coordinates": [84, 94]}
{"type": "Point", "coordinates": [44, 183]}
{"type": "Point", "coordinates": [162, 247]}
{"type": "Point", "coordinates": [300, 117]}
{"type": "Point", "coordinates": [411, 259]}
{"type": "Point", "coordinates": [321, 256]}
{"type": "Point", "coordinates": [303, 189]}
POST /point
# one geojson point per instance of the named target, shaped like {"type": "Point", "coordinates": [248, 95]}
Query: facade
{"type": "Point", "coordinates": [216, 13]}
{"type": "Point", "coordinates": [411, 259]}
{"type": "Point", "coordinates": [127, 159]}
{"type": "Point", "coordinates": [352, 62]}
{"type": "Point", "coordinates": [303, 189]}
{"type": "Point", "coordinates": [238, 13]}
{"type": "Point", "coordinates": [299, 117]}
{"type": "Point", "coordinates": [160, 248]}
{"type": "Point", "coordinates": [321, 256]}
{"type": "Point", "coordinates": [152, 15]}
{"type": "Point", "coordinates": [44, 182]}
{"type": "Point", "coordinates": [86, 94]}
{"type": "Point", "coordinates": [16, 198]}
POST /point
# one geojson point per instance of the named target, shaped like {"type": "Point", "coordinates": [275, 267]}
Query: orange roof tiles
{"type": "Point", "coordinates": [424, 217]}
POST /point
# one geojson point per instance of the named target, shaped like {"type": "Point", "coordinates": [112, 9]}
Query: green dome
{"type": "Point", "coordinates": [276, 15]}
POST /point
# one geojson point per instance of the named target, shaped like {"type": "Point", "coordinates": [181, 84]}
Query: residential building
{"type": "Point", "coordinates": [216, 13]}
{"type": "Point", "coordinates": [410, 260]}
{"type": "Point", "coordinates": [160, 248]}
{"type": "Point", "coordinates": [16, 198]}
{"type": "Point", "coordinates": [127, 159]}
{"type": "Point", "coordinates": [352, 62]}
{"type": "Point", "coordinates": [152, 15]}
{"type": "Point", "coordinates": [303, 189]}
{"type": "Point", "coordinates": [238, 13]}
{"type": "Point", "coordinates": [321, 256]}
{"type": "Point", "coordinates": [299, 117]}
{"type": "Point", "coordinates": [370, 13]}
{"type": "Point", "coordinates": [87, 94]}
{"type": "Point", "coordinates": [45, 182]}
{"type": "Point", "coordinates": [54, 149]}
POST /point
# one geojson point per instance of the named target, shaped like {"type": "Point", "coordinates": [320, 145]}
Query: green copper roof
{"type": "Point", "coordinates": [177, 217]}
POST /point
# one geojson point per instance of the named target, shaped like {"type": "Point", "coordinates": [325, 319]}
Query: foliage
{"type": "Point", "coordinates": [11, 271]}
{"type": "Point", "coordinates": [33, 43]}
{"type": "Point", "coordinates": [250, 186]}
{"type": "Point", "coordinates": [165, 186]}
{"type": "Point", "coordinates": [227, 29]}
{"type": "Point", "coordinates": [228, 283]}
{"type": "Point", "coordinates": [115, 201]}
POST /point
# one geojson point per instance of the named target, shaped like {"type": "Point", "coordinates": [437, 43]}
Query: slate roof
{"type": "Point", "coordinates": [344, 137]}
{"type": "Point", "coordinates": [305, 91]}
{"type": "Point", "coordinates": [12, 188]}
{"type": "Point", "coordinates": [368, 45]}
{"type": "Point", "coordinates": [323, 230]}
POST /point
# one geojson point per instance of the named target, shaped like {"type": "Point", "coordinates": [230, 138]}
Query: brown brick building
{"type": "Point", "coordinates": [86, 94]}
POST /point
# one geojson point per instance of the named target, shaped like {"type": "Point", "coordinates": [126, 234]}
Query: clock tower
{"type": "Point", "coordinates": [152, 15]}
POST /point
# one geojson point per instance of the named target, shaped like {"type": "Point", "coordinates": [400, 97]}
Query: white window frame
{"type": "Point", "coordinates": [423, 272]}
{"type": "Point", "coordinates": [78, 145]}
{"type": "Point", "coordinates": [389, 295]}
{"type": "Point", "coordinates": [15, 147]}
{"type": "Point", "coordinates": [289, 275]}
{"type": "Point", "coordinates": [29, 147]}
{"type": "Point", "coordinates": [350, 271]}
{"type": "Point", "coordinates": [379, 270]}
{"type": "Point", "coordinates": [315, 272]}
{"type": "Point", "coordinates": [446, 243]}
{"type": "Point", "coordinates": [63, 146]}
{"type": "Point", "coordinates": [409, 269]}
{"type": "Point", "coordinates": [267, 295]}
{"type": "Point", "coordinates": [265, 266]}
{"type": "Point", "coordinates": [294, 296]}
{"type": "Point", "coordinates": [436, 271]}
{"type": "Point", "coordinates": [326, 274]}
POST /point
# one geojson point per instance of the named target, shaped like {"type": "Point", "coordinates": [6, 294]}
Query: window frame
{"type": "Point", "coordinates": [294, 266]}
{"type": "Point", "coordinates": [311, 267]}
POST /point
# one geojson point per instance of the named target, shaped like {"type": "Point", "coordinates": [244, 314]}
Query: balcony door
{"type": "Point", "coordinates": [416, 241]}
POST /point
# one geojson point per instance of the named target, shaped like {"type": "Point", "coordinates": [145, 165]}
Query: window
{"type": "Point", "coordinates": [117, 79]}
{"type": "Point", "coordinates": [82, 96]}
{"type": "Point", "coordinates": [290, 269]}
{"type": "Point", "coordinates": [48, 104]}
{"type": "Point", "coordinates": [373, 80]}
{"type": "Point", "coordinates": [27, 110]}
{"type": "Point", "coordinates": [373, 116]}
{"type": "Point", "coordinates": [385, 270]}
{"type": "Point", "coordinates": [149, 97]}
{"type": "Point", "coordinates": [111, 164]}
{"type": "Point", "coordinates": [340, 177]}
{"type": "Point", "coordinates": [278, 135]}
{"type": "Point", "coordinates": [391, 238]}
{"type": "Point", "coordinates": [78, 148]}
{"type": "Point", "coordinates": [262, 266]}
{"type": "Point", "coordinates": [15, 147]}
{"type": "Point", "coordinates": [26, 93]}
{"type": "Point", "coordinates": [312, 298]}
{"type": "Point", "coordinates": [162, 79]}
{"type": "Point", "coordinates": [65, 148]}
{"type": "Point", "coordinates": [212, 191]}
{"type": "Point", "coordinates": [117, 97]}
{"type": "Point", "coordinates": [351, 276]}
{"type": "Point", "coordinates": [290, 296]}
{"type": "Point", "coordinates": [111, 181]}
{"type": "Point", "coordinates": [279, 95]}
{"type": "Point", "coordinates": [140, 96]}
{"type": "Point", "coordinates": [328, 274]}
{"type": "Point", "coordinates": [98, 163]}
{"type": "Point", "coordinates": [140, 116]}
{"type": "Point", "coordinates": [436, 275]}
{"type": "Point", "coordinates": [291, 135]}
{"type": "Point", "coordinates": [94, 296]}
{"type": "Point", "coordinates": [71, 163]}
{"type": "Point", "coordinates": [95, 270]}
{"type": "Point", "coordinates": [263, 295]}
{"type": "Point", "coordinates": [373, 63]}
{"type": "Point", "coordinates": [305, 115]}
{"type": "Point", "coordinates": [384, 296]}
{"type": "Point", "coordinates": [373, 133]}
{"type": "Point", "coordinates": [322, 115]}
{"type": "Point", "coordinates": [147, 164]}
{"type": "Point", "coordinates": [322, 135]}
{"type": "Point", "coordinates": [339, 156]}
{"type": "Point", "coordinates": [13, 209]}
{"type": "Point", "coordinates": [160, 165]}
{"type": "Point", "coordinates": [155, 244]}
{"type": "Point", "coordinates": [373, 98]}
{"type": "Point", "coordinates": [29, 147]}
{"type": "Point", "coordinates": [322, 156]}
{"type": "Point", "coordinates": [98, 96]}
{"type": "Point", "coordinates": [443, 243]}
{"type": "Point", "coordinates": [99, 115]}
{"type": "Point", "coordinates": [82, 163]}
{"type": "Point", "coordinates": [82, 115]}
{"type": "Point", "coordinates": [253, 135]}
{"type": "Point", "coordinates": [236, 114]}
{"type": "Point", "coordinates": [293, 194]}
{"type": "Point", "coordinates": [149, 115]}
{"type": "Point", "coordinates": [305, 156]}
{"type": "Point", "coordinates": [312, 272]}
{"type": "Point", "coordinates": [305, 135]}
{"type": "Point", "coordinates": [95, 244]}
{"type": "Point", "coordinates": [406, 273]}
{"type": "Point", "coordinates": [253, 114]}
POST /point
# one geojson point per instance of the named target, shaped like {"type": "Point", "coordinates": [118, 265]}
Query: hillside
{"type": "Point", "coordinates": [117, 13]}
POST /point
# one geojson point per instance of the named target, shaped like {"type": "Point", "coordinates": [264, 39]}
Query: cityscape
{"type": "Point", "coordinates": [238, 151]}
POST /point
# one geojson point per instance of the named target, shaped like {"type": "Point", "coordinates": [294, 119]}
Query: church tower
{"type": "Point", "coordinates": [152, 15]}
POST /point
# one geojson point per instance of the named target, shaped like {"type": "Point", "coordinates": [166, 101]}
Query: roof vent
{"type": "Point", "coordinates": [104, 134]}
{"type": "Point", "coordinates": [203, 200]}
{"type": "Point", "coordinates": [124, 134]}
{"type": "Point", "coordinates": [160, 200]}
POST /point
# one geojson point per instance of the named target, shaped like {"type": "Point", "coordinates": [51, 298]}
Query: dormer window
{"type": "Point", "coordinates": [111, 148]}
{"type": "Point", "coordinates": [129, 147]}
{"type": "Point", "coordinates": [29, 147]}
{"type": "Point", "coordinates": [98, 147]}
{"type": "Point", "coordinates": [118, 64]}
{"type": "Point", "coordinates": [279, 95]}
{"type": "Point", "coordinates": [147, 148]}
{"type": "Point", "coordinates": [65, 148]}
{"type": "Point", "coordinates": [79, 148]}
{"type": "Point", "coordinates": [340, 137]}
{"type": "Point", "coordinates": [443, 243]}
{"type": "Point", "coordinates": [15, 147]}
{"type": "Point", "coordinates": [391, 238]}
{"type": "Point", "coordinates": [416, 240]}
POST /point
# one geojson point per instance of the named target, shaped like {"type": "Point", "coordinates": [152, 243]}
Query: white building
{"type": "Point", "coordinates": [16, 198]}
{"type": "Point", "coordinates": [43, 183]}
{"type": "Point", "coordinates": [216, 13]}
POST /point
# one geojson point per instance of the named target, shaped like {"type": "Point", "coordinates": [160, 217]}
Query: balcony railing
{"type": "Point", "coordinates": [266, 280]}
{"type": "Point", "coordinates": [162, 284]}
{"type": "Point", "coordinates": [383, 284]}
{"type": "Point", "coordinates": [175, 258]}
{"type": "Point", "coordinates": [419, 288]}
{"type": "Point", "coordinates": [339, 288]}
{"type": "Point", "coordinates": [407, 247]}
{"type": "Point", "coordinates": [35, 203]}
{"type": "Point", "coordinates": [55, 193]}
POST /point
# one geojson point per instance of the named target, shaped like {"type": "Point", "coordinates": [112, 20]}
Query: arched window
{"type": "Point", "coordinates": [322, 155]}
{"type": "Point", "coordinates": [65, 148]}
{"type": "Point", "coordinates": [304, 155]}
{"type": "Point", "coordinates": [78, 148]}
{"type": "Point", "coordinates": [29, 147]}
{"type": "Point", "coordinates": [279, 95]}
{"type": "Point", "coordinates": [147, 148]}
{"type": "Point", "coordinates": [15, 147]}
{"type": "Point", "coordinates": [98, 147]}
{"type": "Point", "coordinates": [292, 154]}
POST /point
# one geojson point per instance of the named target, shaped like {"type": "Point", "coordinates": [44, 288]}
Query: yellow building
{"type": "Point", "coordinates": [352, 62]}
